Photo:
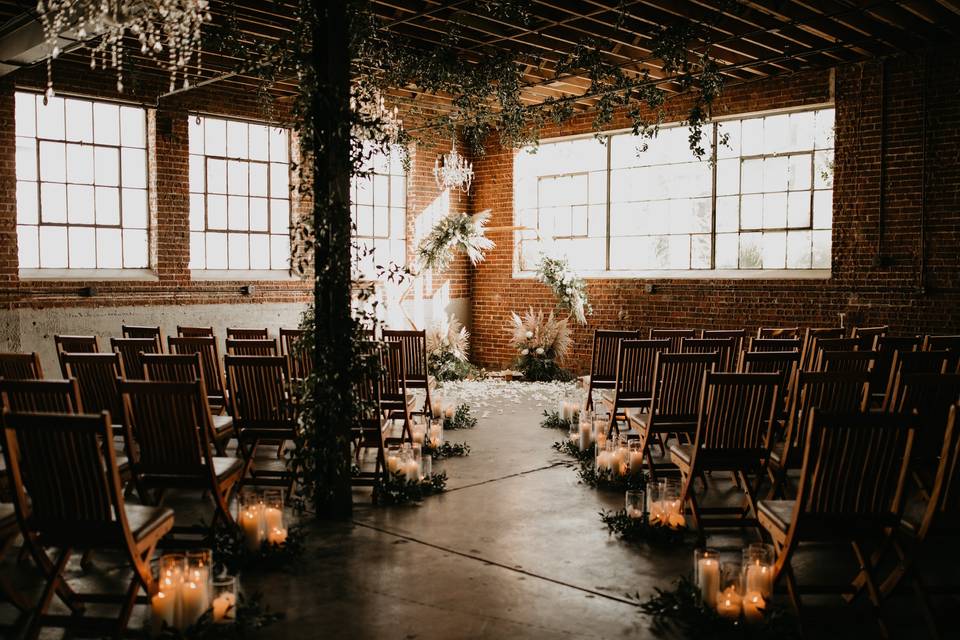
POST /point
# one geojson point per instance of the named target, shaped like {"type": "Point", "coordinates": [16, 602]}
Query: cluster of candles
{"type": "Point", "coordinates": [430, 430]}
{"type": "Point", "coordinates": [187, 589]}
{"type": "Point", "coordinates": [590, 428]}
{"type": "Point", "coordinates": [261, 517]}
{"type": "Point", "coordinates": [736, 589]}
{"type": "Point", "coordinates": [408, 462]}
{"type": "Point", "coordinates": [665, 508]}
{"type": "Point", "coordinates": [569, 409]}
{"type": "Point", "coordinates": [441, 408]}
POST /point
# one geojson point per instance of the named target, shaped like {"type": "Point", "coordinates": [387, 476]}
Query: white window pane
{"type": "Point", "coordinates": [109, 249]}
{"type": "Point", "coordinates": [239, 251]}
{"type": "Point", "coordinates": [106, 166]}
{"type": "Point", "coordinates": [26, 159]}
{"type": "Point", "coordinates": [259, 142]}
{"type": "Point", "coordinates": [237, 213]}
{"type": "Point", "coordinates": [28, 247]}
{"type": "Point", "coordinates": [751, 176]}
{"type": "Point", "coordinates": [751, 212]}
{"type": "Point", "coordinates": [258, 179]}
{"type": "Point", "coordinates": [215, 137]}
{"type": "Point", "coordinates": [53, 202]}
{"type": "Point", "coordinates": [134, 249]}
{"type": "Point", "coordinates": [79, 120]}
{"type": "Point", "coordinates": [106, 123]}
{"type": "Point", "coordinates": [25, 114]}
{"type": "Point", "coordinates": [80, 205]}
{"type": "Point", "coordinates": [751, 140]}
{"type": "Point", "coordinates": [728, 213]}
{"type": "Point", "coordinates": [197, 213]}
{"type": "Point", "coordinates": [680, 252]}
{"type": "Point", "coordinates": [132, 127]}
{"type": "Point", "coordinates": [237, 178]}
{"type": "Point", "coordinates": [398, 191]}
{"type": "Point", "coordinates": [774, 210]}
{"type": "Point", "coordinates": [398, 223]}
{"type": "Point", "coordinates": [821, 249]}
{"type": "Point", "coordinates": [364, 221]}
{"type": "Point", "coordinates": [798, 209]}
{"type": "Point", "coordinates": [259, 251]}
{"type": "Point", "coordinates": [53, 247]}
{"type": "Point", "coordinates": [280, 216]}
{"type": "Point", "coordinates": [774, 250]}
{"type": "Point", "coordinates": [108, 205]}
{"type": "Point", "coordinates": [135, 208]}
{"type": "Point", "coordinates": [727, 251]}
{"type": "Point", "coordinates": [700, 251]}
{"type": "Point", "coordinates": [197, 250]}
{"type": "Point", "coordinates": [578, 221]}
{"type": "Point", "coordinates": [27, 204]}
{"type": "Point", "coordinates": [660, 256]}
{"type": "Point", "coordinates": [776, 133]}
{"type": "Point", "coordinates": [134, 168]}
{"type": "Point", "coordinates": [80, 164]}
{"type": "Point", "coordinates": [216, 176]}
{"type": "Point", "coordinates": [195, 134]}
{"type": "Point", "coordinates": [216, 251]}
{"type": "Point", "coordinates": [237, 139]}
{"type": "Point", "coordinates": [732, 130]}
{"type": "Point", "coordinates": [751, 256]}
{"type": "Point", "coordinates": [50, 120]}
{"type": "Point", "coordinates": [822, 209]}
{"type": "Point", "coordinates": [824, 127]}
{"type": "Point", "coordinates": [801, 132]}
{"type": "Point", "coordinates": [775, 174]}
{"type": "Point", "coordinates": [799, 172]}
{"type": "Point", "coordinates": [823, 170]}
{"type": "Point", "coordinates": [197, 182]}
{"type": "Point", "coordinates": [259, 215]}
{"type": "Point", "coordinates": [53, 161]}
{"type": "Point", "coordinates": [381, 190]}
{"type": "Point", "coordinates": [83, 248]}
{"type": "Point", "coordinates": [381, 222]}
{"type": "Point", "coordinates": [798, 250]}
{"type": "Point", "coordinates": [728, 176]}
{"type": "Point", "coordinates": [278, 145]}
{"type": "Point", "coordinates": [364, 191]}
{"type": "Point", "coordinates": [279, 180]}
{"type": "Point", "coordinates": [216, 212]}
{"type": "Point", "coordinates": [280, 252]}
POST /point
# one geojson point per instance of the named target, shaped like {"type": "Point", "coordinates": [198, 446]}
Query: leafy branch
{"type": "Point", "coordinates": [398, 490]}
{"type": "Point", "coordinates": [447, 450]}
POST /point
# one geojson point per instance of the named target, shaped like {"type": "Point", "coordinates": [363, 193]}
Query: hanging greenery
{"type": "Point", "coordinates": [569, 288]}
{"type": "Point", "coordinates": [457, 231]}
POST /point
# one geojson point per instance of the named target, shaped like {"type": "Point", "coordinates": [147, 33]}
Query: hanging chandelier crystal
{"type": "Point", "coordinates": [370, 107]}
{"type": "Point", "coordinates": [171, 26]}
{"type": "Point", "coordinates": [453, 171]}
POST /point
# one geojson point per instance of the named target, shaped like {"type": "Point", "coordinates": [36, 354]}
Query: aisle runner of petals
{"type": "Point", "coordinates": [499, 397]}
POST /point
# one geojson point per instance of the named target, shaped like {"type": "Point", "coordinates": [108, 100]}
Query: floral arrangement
{"type": "Point", "coordinates": [540, 342]}
{"type": "Point", "coordinates": [455, 231]}
{"type": "Point", "coordinates": [447, 344]}
{"type": "Point", "coordinates": [398, 490]}
{"type": "Point", "coordinates": [570, 289]}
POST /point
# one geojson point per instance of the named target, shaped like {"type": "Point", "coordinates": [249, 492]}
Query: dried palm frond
{"type": "Point", "coordinates": [535, 331]}
{"type": "Point", "coordinates": [448, 335]}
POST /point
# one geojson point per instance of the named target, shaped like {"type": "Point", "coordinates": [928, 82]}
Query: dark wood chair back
{"type": "Point", "coordinates": [603, 356]}
{"type": "Point", "coordinates": [907, 362]}
{"type": "Point", "coordinates": [941, 343]}
{"type": "Point", "coordinates": [206, 347]}
{"type": "Point", "coordinates": [775, 344]}
{"type": "Point", "coordinates": [886, 347]}
{"type": "Point", "coordinates": [810, 336]}
{"type": "Point", "coordinates": [673, 335]}
{"type": "Point", "coordinates": [870, 332]}
{"type": "Point", "coordinates": [132, 331]}
{"type": "Point", "coordinates": [234, 333]}
{"type": "Point", "coordinates": [736, 417]}
{"type": "Point", "coordinates": [172, 367]}
{"type": "Point", "coordinates": [193, 332]}
{"type": "Point", "coordinates": [74, 344]}
{"type": "Point", "coordinates": [97, 376]}
{"type": "Point", "coordinates": [367, 431]}
{"type": "Point", "coordinates": [725, 348]}
{"type": "Point", "coordinates": [783, 363]}
{"type": "Point", "coordinates": [636, 360]}
{"type": "Point", "coordinates": [300, 357]}
{"type": "Point", "coordinates": [393, 387]}
{"type": "Point", "coordinates": [739, 338]}
{"type": "Point", "coordinates": [20, 366]}
{"type": "Point", "coordinates": [929, 396]}
{"type": "Point", "coordinates": [41, 396]}
{"type": "Point", "coordinates": [414, 345]}
{"type": "Point", "coordinates": [846, 361]}
{"type": "Point", "coordinates": [252, 347]}
{"type": "Point", "coordinates": [942, 516]}
{"type": "Point", "coordinates": [130, 350]}
{"type": "Point", "coordinates": [258, 388]}
{"type": "Point", "coordinates": [679, 380]}
{"type": "Point", "coordinates": [778, 333]}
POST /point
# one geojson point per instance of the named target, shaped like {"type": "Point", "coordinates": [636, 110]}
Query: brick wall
{"type": "Point", "coordinates": [871, 288]}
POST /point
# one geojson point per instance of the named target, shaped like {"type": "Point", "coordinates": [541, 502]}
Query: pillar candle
{"type": "Point", "coordinates": [251, 522]}
{"type": "Point", "coordinates": [708, 580]}
{"type": "Point", "coordinates": [418, 436]}
{"type": "Point", "coordinates": [656, 512]}
{"type": "Point", "coordinates": [753, 606]}
{"type": "Point", "coordinates": [636, 462]}
{"type": "Point", "coordinates": [392, 462]}
{"type": "Point", "coordinates": [224, 608]}
{"type": "Point", "coordinates": [760, 579]}
{"type": "Point", "coordinates": [192, 603]}
{"type": "Point", "coordinates": [728, 604]}
{"type": "Point", "coordinates": [436, 408]}
{"type": "Point", "coordinates": [449, 411]}
{"type": "Point", "coordinates": [604, 460]}
{"type": "Point", "coordinates": [412, 471]}
{"type": "Point", "coordinates": [273, 518]}
{"type": "Point", "coordinates": [674, 513]}
{"type": "Point", "coordinates": [586, 436]}
{"type": "Point", "coordinates": [633, 512]}
{"type": "Point", "coordinates": [277, 535]}
{"type": "Point", "coordinates": [163, 611]}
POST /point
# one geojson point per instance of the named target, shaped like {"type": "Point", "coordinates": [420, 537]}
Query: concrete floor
{"type": "Point", "coordinates": [514, 548]}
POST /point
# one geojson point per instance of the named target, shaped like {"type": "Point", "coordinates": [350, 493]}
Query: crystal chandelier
{"type": "Point", "coordinates": [369, 105]}
{"type": "Point", "coordinates": [453, 171]}
{"type": "Point", "coordinates": [160, 26]}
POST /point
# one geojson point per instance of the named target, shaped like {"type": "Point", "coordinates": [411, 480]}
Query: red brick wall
{"type": "Point", "coordinates": [869, 291]}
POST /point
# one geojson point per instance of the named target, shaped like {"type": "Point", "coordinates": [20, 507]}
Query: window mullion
{"type": "Point", "coordinates": [713, 202]}
{"type": "Point", "coordinates": [609, 174]}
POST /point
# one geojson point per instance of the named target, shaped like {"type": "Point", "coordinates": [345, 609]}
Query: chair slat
{"type": "Point", "coordinates": [300, 358]}
{"type": "Point", "coordinates": [725, 348]}
{"type": "Point", "coordinates": [130, 350]}
{"type": "Point", "coordinates": [97, 376]}
{"type": "Point", "coordinates": [252, 346]}
{"type": "Point", "coordinates": [673, 335]}
{"type": "Point", "coordinates": [46, 396]}
{"type": "Point", "coordinates": [20, 366]}
{"type": "Point", "coordinates": [206, 347]}
{"type": "Point", "coordinates": [235, 333]}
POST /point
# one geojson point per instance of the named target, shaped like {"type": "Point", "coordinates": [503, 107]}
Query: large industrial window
{"type": "Point", "coordinates": [764, 204]}
{"type": "Point", "coordinates": [239, 195]}
{"type": "Point", "coordinates": [81, 170]}
{"type": "Point", "coordinates": [379, 203]}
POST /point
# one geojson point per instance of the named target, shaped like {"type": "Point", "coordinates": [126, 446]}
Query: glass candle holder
{"type": "Point", "coordinates": [393, 458]}
{"type": "Point", "coordinates": [426, 466]}
{"type": "Point", "coordinates": [575, 433]}
{"type": "Point", "coordinates": [621, 458]}
{"type": "Point", "coordinates": [411, 466]}
{"type": "Point", "coordinates": [165, 603]}
{"type": "Point", "coordinates": [670, 501]}
{"type": "Point", "coordinates": [436, 407]}
{"type": "Point", "coordinates": [605, 458]}
{"type": "Point", "coordinates": [706, 565]}
{"type": "Point", "coordinates": [450, 407]}
{"type": "Point", "coordinates": [586, 430]}
{"type": "Point", "coordinates": [636, 502]}
{"type": "Point", "coordinates": [436, 432]}
{"type": "Point", "coordinates": [758, 569]}
{"type": "Point", "coordinates": [729, 598]}
{"type": "Point", "coordinates": [224, 600]}
{"type": "Point", "coordinates": [601, 422]}
{"type": "Point", "coordinates": [273, 508]}
{"type": "Point", "coordinates": [634, 457]}
{"type": "Point", "coordinates": [418, 433]}
{"type": "Point", "coordinates": [250, 517]}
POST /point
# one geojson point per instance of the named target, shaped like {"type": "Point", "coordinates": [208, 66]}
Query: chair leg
{"type": "Point", "coordinates": [687, 494]}
{"type": "Point", "coordinates": [924, 602]}
{"type": "Point", "coordinates": [47, 567]}
{"type": "Point", "coordinates": [866, 570]}
{"type": "Point", "coordinates": [54, 578]}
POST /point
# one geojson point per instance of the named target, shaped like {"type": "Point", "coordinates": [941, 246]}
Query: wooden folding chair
{"type": "Point", "coordinates": [20, 366]}
{"type": "Point", "coordinates": [301, 358]}
{"type": "Point", "coordinates": [206, 347]}
{"type": "Point", "coordinates": [603, 360]}
{"type": "Point", "coordinates": [262, 412]}
{"type": "Point", "coordinates": [46, 396]}
{"type": "Point", "coordinates": [414, 361]}
{"type": "Point", "coordinates": [907, 362]}
{"type": "Point", "coordinates": [69, 497]}
{"type": "Point", "coordinates": [843, 391]}
{"type": "Point", "coordinates": [633, 386]}
{"type": "Point", "coordinates": [775, 344]}
{"type": "Point", "coordinates": [251, 347]}
{"type": "Point", "coordinates": [234, 333]}
{"type": "Point", "coordinates": [678, 381]}
{"type": "Point", "coordinates": [846, 361]}
{"type": "Point", "coordinates": [9, 532]}
{"type": "Point", "coordinates": [97, 376]}
{"type": "Point", "coordinates": [130, 350]}
{"type": "Point", "coordinates": [725, 348]}
{"type": "Point", "coordinates": [779, 333]}
{"type": "Point", "coordinates": [808, 352]}
{"type": "Point", "coordinates": [941, 343]}
{"type": "Point", "coordinates": [153, 333]}
{"type": "Point", "coordinates": [183, 367]}
{"type": "Point", "coordinates": [367, 432]}
{"type": "Point", "coordinates": [739, 338]}
{"type": "Point", "coordinates": [885, 348]}
{"type": "Point", "coordinates": [870, 332]}
{"type": "Point", "coordinates": [783, 363]}
{"type": "Point", "coordinates": [673, 335]}
{"type": "Point", "coordinates": [193, 332]}
{"type": "Point", "coordinates": [395, 402]}
{"type": "Point", "coordinates": [734, 427]}
{"type": "Point", "coordinates": [850, 493]}
{"type": "Point", "coordinates": [74, 344]}
{"type": "Point", "coordinates": [168, 426]}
